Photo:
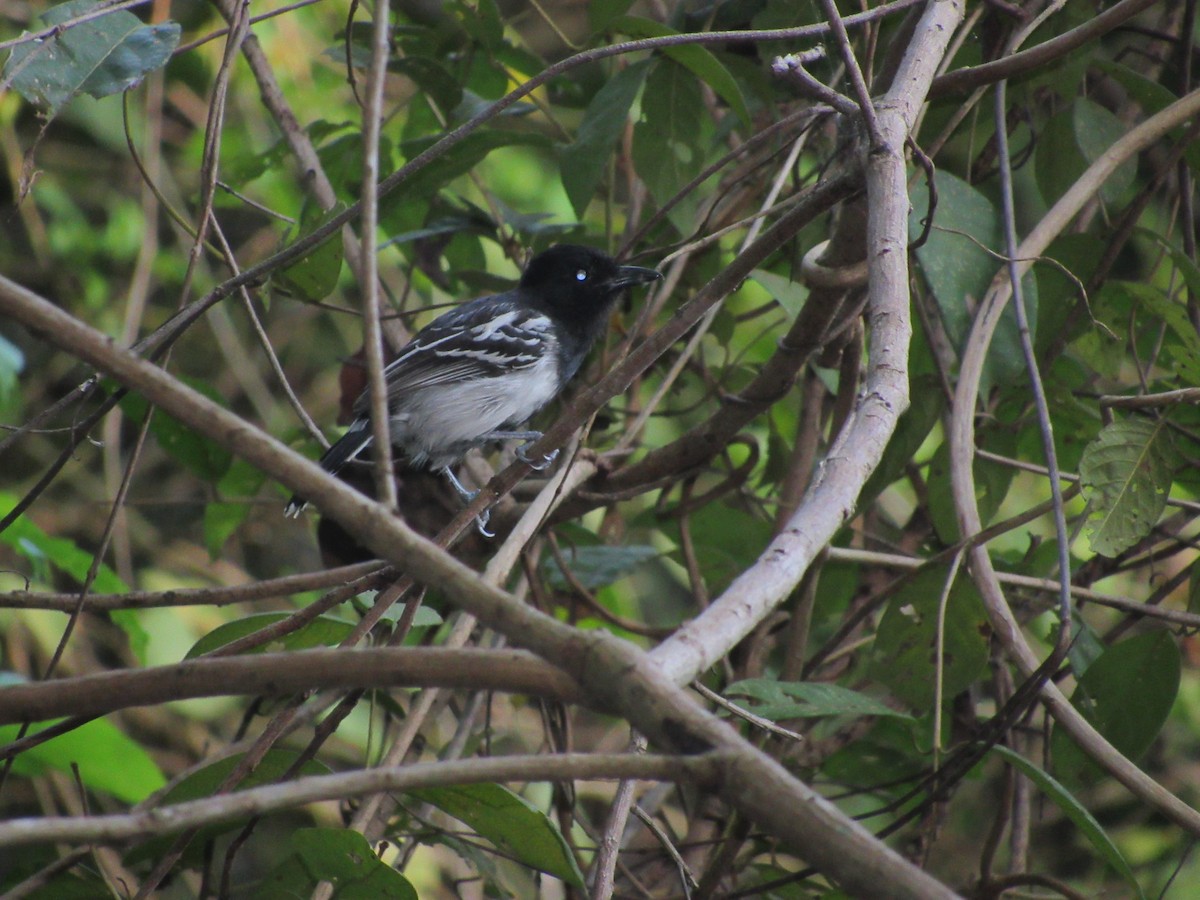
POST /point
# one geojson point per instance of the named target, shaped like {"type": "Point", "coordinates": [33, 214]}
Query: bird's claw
{"type": "Point", "coordinates": [481, 523]}
{"type": "Point", "coordinates": [540, 466]}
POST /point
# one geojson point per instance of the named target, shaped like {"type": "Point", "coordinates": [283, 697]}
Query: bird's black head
{"type": "Point", "coordinates": [577, 284]}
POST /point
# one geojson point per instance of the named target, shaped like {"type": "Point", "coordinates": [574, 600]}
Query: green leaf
{"type": "Point", "coordinates": [601, 13]}
{"type": "Point", "coordinates": [666, 141]}
{"type": "Point", "coordinates": [197, 451]}
{"type": "Point", "coordinates": [341, 857]}
{"type": "Point", "coordinates": [788, 293]}
{"type": "Point", "coordinates": [1126, 476]}
{"type": "Point", "coordinates": [511, 823]}
{"type": "Point", "coordinates": [105, 55]}
{"type": "Point", "coordinates": [595, 567]}
{"type": "Point", "coordinates": [41, 549]}
{"type": "Point", "coordinates": [205, 781]}
{"type": "Point", "coordinates": [314, 276]}
{"type": "Point", "coordinates": [1127, 694]}
{"type": "Point", "coordinates": [323, 631]}
{"type": "Point", "coordinates": [1096, 130]}
{"type": "Point", "coordinates": [1185, 348]}
{"type": "Point", "coordinates": [697, 59]}
{"type": "Point", "coordinates": [1072, 141]}
{"type": "Point", "coordinates": [992, 483]}
{"type": "Point", "coordinates": [905, 645]}
{"type": "Point", "coordinates": [431, 77]}
{"type": "Point", "coordinates": [221, 519]}
{"type": "Point", "coordinates": [805, 700]}
{"type": "Point", "coordinates": [108, 761]}
{"type": "Point", "coordinates": [727, 541]}
{"type": "Point", "coordinates": [1073, 810]}
{"type": "Point", "coordinates": [583, 162]}
{"type": "Point", "coordinates": [458, 160]}
{"type": "Point", "coordinates": [958, 270]}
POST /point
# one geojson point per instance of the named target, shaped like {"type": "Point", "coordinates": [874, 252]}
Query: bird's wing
{"type": "Point", "coordinates": [485, 338]}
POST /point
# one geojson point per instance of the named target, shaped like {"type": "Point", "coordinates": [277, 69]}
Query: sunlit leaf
{"type": "Point", "coordinates": [108, 760]}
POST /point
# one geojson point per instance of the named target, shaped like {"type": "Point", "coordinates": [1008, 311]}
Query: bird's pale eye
{"type": "Point", "coordinates": [581, 275]}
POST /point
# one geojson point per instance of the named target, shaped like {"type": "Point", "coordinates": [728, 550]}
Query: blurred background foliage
{"type": "Point", "coordinates": [594, 155]}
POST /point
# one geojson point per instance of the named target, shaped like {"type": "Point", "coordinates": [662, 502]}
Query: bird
{"type": "Point", "coordinates": [476, 374]}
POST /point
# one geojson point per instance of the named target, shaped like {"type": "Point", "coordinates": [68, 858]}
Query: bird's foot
{"type": "Point", "coordinates": [537, 465]}
{"type": "Point", "coordinates": [468, 497]}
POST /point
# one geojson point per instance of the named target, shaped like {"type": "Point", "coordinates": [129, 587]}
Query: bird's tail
{"type": "Point", "coordinates": [343, 450]}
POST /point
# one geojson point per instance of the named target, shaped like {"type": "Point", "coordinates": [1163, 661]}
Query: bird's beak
{"type": "Point", "coordinates": [628, 276]}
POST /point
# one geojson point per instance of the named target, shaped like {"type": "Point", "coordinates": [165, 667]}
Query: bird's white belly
{"type": "Point", "coordinates": [438, 423]}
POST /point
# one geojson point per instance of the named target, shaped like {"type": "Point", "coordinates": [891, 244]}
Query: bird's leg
{"type": "Point", "coordinates": [529, 437]}
{"type": "Point", "coordinates": [481, 520]}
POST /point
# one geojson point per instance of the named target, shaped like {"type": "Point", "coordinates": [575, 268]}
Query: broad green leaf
{"type": "Point", "coordinates": [197, 451]}
{"type": "Point", "coordinates": [457, 161]}
{"type": "Point", "coordinates": [1126, 476]}
{"type": "Point", "coordinates": [315, 274]}
{"type": "Point", "coordinates": [666, 141]}
{"type": "Point", "coordinates": [597, 566]}
{"type": "Point", "coordinates": [727, 541]}
{"type": "Point", "coordinates": [205, 781]}
{"type": "Point", "coordinates": [222, 518]}
{"type": "Point", "coordinates": [584, 161]}
{"type": "Point", "coordinates": [105, 55]}
{"type": "Point", "coordinates": [323, 631]}
{"type": "Point", "coordinates": [1127, 694]}
{"type": "Point", "coordinates": [339, 856]}
{"type": "Point", "coordinates": [80, 883]}
{"type": "Point", "coordinates": [992, 483]}
{"type": "Point", "coordinates": [697, 59]}
{"type": "Point", "coordinates": [1072, 141]}
{"type": "Point", "coordinates": [1096, 130]}
{"type": "Point", "coordinates": [601, 13]}
{"type": "Point", "coordinates": [432, 77]}
{"type": "Point", "coordinates": [1073, 810]}
{"type": "Point", "coordinates": [787, 293]}
{"type": "Point", "coordinates": [779, 700]}
{"type": "Point", "coordinates": [41, 550]}
{"type": "Point", "coordinates": [108, 761]}
{"type": "Point", "coordinates": [958, 268]}
{"type": "Point", "coordinates": [1183, 347]}
{"type": "Point", "coordinates": [511, 823]}
{"type": "Point", "coordinates": [905, 646]}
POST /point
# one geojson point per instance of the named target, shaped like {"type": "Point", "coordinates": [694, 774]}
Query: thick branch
{"type": "Point", "coordinates": [858, 449]}
{"type": "Point", "coordinates": [279, 674]}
